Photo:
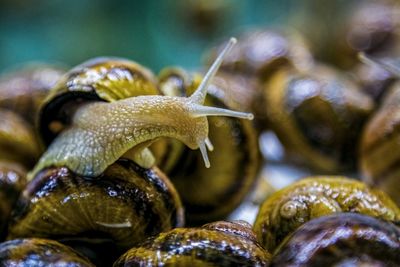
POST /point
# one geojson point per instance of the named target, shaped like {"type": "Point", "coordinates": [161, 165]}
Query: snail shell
{"type": "Point", "coordinates": [39, 252]}
{"type": "Point", "coordinates": [343, 239]}
{"type": "Point", "coordinates": [123, 207]}
{"type": "Point", "coordinates": [216, 244]}
{"type": "Point", "coordinates": [287, 209]}
{"type": "Point", "coordinates": [210, 194]}
{"type": "Point", "coordinates": [317, 116]}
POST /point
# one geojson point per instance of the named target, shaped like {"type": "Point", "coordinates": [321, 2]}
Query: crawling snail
{"type": "Point", "coordinates": [210, 194]}
{"type": "Point", "coordinates": [40, 252]}
{"type": "Point", "coordinates": [379, 144]}
{"type": "Point", "coordinates": [214, 244]}
{"type": "Point", "coordinates": [100, 153]}
{"type": "Point", "coordinates": [287, 209]}
{"type": "Point", "coordinates": [343, 239]}
{"type": "Point", "coordinates": [318, 116]}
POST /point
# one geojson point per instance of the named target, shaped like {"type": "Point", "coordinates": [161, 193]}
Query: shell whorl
{"type": "Point", "coordinates": [103, 132]}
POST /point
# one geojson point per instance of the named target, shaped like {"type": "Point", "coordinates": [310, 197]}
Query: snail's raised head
{"type": "Point", "coordinates": [196, 101]}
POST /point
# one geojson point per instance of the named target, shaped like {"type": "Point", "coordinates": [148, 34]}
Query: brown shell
{"type": "Point", "coordinates": [99, 79]}
{"type": "Point", "coordinates": [216, 244]}
{"type": "Point", "coordinates": [123, 207]}
{"type": "Point", "coordinates": [317, 116]}
{"type": "Point", "coordinates": [23, 89]}
{"type": "Point", "coordinates": [211, 194]}
{"type": "Point", "coordinates": [17, 139]}
{"type": "Point", "coordinates": [40, 252]}
{"type": "Point", "coordinates": [343, 239]}
{"type": "Point", "coordinates": [287, 209]}
{"type": "Point", "coordinates": [380, 146]}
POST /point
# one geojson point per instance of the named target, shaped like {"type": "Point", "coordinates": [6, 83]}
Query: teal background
{"type": "Point", "coordinates": [154, 33]}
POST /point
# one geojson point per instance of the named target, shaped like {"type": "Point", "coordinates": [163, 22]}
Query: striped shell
{"type": "Point", "coordinates": [292, 206]}
{"type": "Point", "coordinates": [40, 252]}
{"type": "Point", "coordinates": [344, 239]}
{"type": "Point", "coordinates": [123, 207]}
{"type": "Point", "coordinates": [217, 244]}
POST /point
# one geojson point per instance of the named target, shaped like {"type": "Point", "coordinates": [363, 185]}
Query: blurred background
{"type": "Point", "coordinates": [154, 33]}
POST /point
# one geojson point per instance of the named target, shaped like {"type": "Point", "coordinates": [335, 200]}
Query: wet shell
{"type": "Point", "coordinates": [289, 208]}
{"type": "Point", "coordinates": [318, 117]}
{"type": "Point", "coordinates": [217, 244]}
{"type": "Point", "coordinates": [99, 79]}
{"type": "Point", "coordinates": [210, 194]}
{"type": "Point", "coordinates": [380, 147]}
{"type": "Point", "coordinates": [40, 252]}
{"type": "Point", "coordinates": [123, 207]}
{"type": "Point", "coordinates": [12, 182]}
{"type": "Point", "coordinates": [344, 239]}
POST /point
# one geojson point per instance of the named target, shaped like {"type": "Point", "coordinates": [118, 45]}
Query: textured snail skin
{"type": "Point", "coordinates": [343, 239]}
{"type": "Point", "coordinates": [287, 209]}
{"type": "Point", "coordinates": [123, 207]}
{"type": "Point", "coordinates": [40, 252]}
{"type": "Point", "coordinates": [215, 244]}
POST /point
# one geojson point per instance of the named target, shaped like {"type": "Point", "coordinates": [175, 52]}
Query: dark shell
{"type": "Point", "coordinates": [287, 209]}
{"type": "Point", "coordinates": [380, 146]}
{"type": "Point", "coordinates": [22, 90]}
{"type": "Point", "coordinates": [17, 139]}
{"type": "Point", "coordinates": [318, 117]}
{"type": "Point", "coordinates": [211, 194]}
{"type": "Point", "coordinates": [343, 239]}
{"type": "Point", "coordinates": [211, 245]}
{"type": "Point", "coordinates": [123, 207]}
{"type": "Point", "coordinates": [40, 252]}
{"type": "Point", "coordinates": [260, 52]}
{"type": "Point", "coordinates": [99, 79]}
{"type": "Point", "coordinates": [12, 182]}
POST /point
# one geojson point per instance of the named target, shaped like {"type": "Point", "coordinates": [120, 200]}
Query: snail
{"type": "Point", "coordinates": [210, 194]}
{"type": "Point", "coordinates": [40, 252]}
{"type": "Point", "coordinates": [101, 153]}
{"type": "Point", "coordinates": [215, 244]}
{"type": "Point", "coordinates": [379, 143]}
{"type": "Point", "coordinates": [318, 116]}
{"type": "Point", "coordinates": [287, 209]}
{"type": "Point", "coordinates": [343, 239]}
{"type": "Point", "coordinates": [23, 89]}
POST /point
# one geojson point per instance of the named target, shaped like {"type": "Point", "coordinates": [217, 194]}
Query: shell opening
{"type": "Point", "coordinates": [203, 150]}
{"type": "Point", "coordinates": [382, 64]}
{"type": "Point", "coordinates": [200, 94]}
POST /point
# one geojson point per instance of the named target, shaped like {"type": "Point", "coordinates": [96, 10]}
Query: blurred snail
{"type": "Point", "coordinates": [39, 252]}
{"type": "Point", "coordinates": [343, 239]}
{"type": "Point", "coordinates": [23, 89]}
{"type": "Point", "coordinates": [287, 209]}
{"type": "Point", "coordinates": [210, 194]}
{"type": "Point", "coordinates": [317, 115]}
{"type": "Point", "coordinates": [215, 244]}
{"type": "Point", "coordinates": [379, 147]}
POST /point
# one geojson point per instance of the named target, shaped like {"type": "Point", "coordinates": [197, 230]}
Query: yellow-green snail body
{"type": "Point", "coordinates": [289, 208]}
{"type": "Point", "coordinates": [318, 116]}
{"type": "Point", "coordinates": [210, 194]}
{"type": "Point", "coordinates": [215, 244]}
{"type": "Point", "coordinates": [39, 252]}
{"type": "Point", "coordinates": [342, 239]}
{"type": "Point", "coordinates": [100, 153]}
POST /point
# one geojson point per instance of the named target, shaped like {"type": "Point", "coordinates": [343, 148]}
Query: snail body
{"type": "Point", "coordinates": [219, 243]}
{"type": "Point", "coordinates": [39, 252]}
{"type": "Point", "coordinates": [341, 239]}
{"type": "Point", "coordinates": [287, 209]}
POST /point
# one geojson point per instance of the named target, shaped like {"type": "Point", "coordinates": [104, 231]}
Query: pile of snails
{"type": "Point", "coordinates": [97, 166]}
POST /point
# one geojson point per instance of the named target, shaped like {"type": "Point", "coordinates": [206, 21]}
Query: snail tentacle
{"type": "Point", "coordinates": [371, 61]}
